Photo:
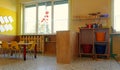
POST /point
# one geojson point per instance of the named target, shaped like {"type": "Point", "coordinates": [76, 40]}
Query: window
{"type": "Point", "coordinates": [46, 17]}
{"type": "Point", "coordinates": [60, 17]}
{"type": "Point", "coordinates": [30, 19]}
{"type": "Point", "coordinates": [116, 16]}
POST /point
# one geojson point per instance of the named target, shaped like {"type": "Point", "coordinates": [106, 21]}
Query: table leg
{"type": "Point", "coordinates": [24, 53]}
{"type": "Point", "coordinates": [35, 51]}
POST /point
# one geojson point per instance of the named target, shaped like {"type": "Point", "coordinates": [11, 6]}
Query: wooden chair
{"type": "Point", "coordinates": [20, 45]}
{"type": "Point", "coordinates": [21, 41]}
{"type": "Point", "coordinates": [30, 49]}
{"type": "Point", "coordinates": [5, 48]}
{"type": "Point", "coordinates": [15, 48]}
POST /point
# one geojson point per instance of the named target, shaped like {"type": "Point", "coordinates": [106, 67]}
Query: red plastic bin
{"type": "Point", "coordinates": [87, 48]}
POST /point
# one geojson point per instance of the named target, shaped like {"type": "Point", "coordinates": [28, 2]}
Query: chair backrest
{"type": "Point", "coordinates": [5, 45]}
{"type": "Point", "coordinates": [21, 41]}
{"type": "Point", "coordinates": [32, 46]}
{"type": "Point", "coordinates": [14, 45]}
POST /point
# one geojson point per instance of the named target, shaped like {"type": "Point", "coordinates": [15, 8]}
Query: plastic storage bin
{"type": "Point", "coordinates": [87, 48]}
{"type": "Point", "coordinates": [100, 48]}
{"type": "Point", "coordinates": [100, 36]}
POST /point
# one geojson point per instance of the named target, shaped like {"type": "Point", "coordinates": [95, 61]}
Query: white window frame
{"type": "Point", "coordinates": [52, 2]}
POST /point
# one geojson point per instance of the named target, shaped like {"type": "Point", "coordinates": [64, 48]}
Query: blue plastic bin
{"type": "Point", "coordinates": [100, 49]}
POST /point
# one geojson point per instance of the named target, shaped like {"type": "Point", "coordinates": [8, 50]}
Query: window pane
{"type": "Point", "coordinates": [116, 15]}
{"type": "Point", "coordinates": [60, 17]}
{"type": "Point", "coordinates": [30, 20]}
{"type": "Point", "coordinates": [44, 18]}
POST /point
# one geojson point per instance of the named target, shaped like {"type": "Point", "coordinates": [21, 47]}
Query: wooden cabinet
{"type": "Point", "coordinates": [91, 42]}
{"type": "Point", "coordinates": [50, 44]}
{"type": "Point", "coordinates": [66, 46]}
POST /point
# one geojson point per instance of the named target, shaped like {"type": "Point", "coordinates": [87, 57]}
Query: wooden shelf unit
{"type": "Point", "coordinates": [88, 36]}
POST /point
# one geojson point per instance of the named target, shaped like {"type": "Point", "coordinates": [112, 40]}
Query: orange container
{"type": "Point", "coordinates": [100, 36]}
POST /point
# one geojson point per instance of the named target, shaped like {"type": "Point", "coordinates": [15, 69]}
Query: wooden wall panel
{"type": "Point", "coordinates": [7, 38]}
{"type": "Point", "coordinates": [50, 45]}
{"type": "Point", "coordinates": [74, 45]}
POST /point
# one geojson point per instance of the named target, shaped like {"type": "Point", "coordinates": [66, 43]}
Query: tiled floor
{"type": "Point", "coordinates": [49, 63]}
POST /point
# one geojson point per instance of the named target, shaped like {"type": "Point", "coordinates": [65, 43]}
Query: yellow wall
{"type": "Point", "coordinates": [8, 8]}
{"type": "Point", "coordinates": [9, 4]}
{"type": "Point", "coordinates": [83, 7]}
{"type": "Point", "coordinates": [19, 17]}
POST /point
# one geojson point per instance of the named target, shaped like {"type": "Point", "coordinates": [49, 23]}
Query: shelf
{"type": "Point", "coordinates": [87, 28]}
{"type": "Point", "coordinates": [51, 42]}
{"type": "Point", "coordinates": [94, 29]}
{"type": "Point", "coordinates": [101, 54]}
{"type": "Point", "coordinates": [101, 42]}
{"type": "Point", "coordinates": [87, 53]}
{"type": "Point", "coordinates": [90, 18]}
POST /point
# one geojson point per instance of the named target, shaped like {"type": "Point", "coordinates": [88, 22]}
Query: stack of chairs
{"type": "Point", "coordinates": [5, 49]}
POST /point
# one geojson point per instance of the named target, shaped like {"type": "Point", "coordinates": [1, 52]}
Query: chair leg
{"type": "Point", "coordinates": [19, 52]}
{"type": "Point", "coordinates": [30, 54]}
{"type": "Point", "coordinates": [8, 53]}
